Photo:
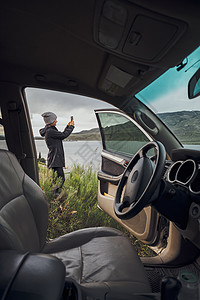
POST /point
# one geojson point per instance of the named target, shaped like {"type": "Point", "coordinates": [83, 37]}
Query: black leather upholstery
{"type": "Point", "coordinates": [38, 276]}
{"type": "Point", "coordinates": [100, 261]}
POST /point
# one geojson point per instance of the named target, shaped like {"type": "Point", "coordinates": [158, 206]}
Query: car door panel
{"type": "Point", "coordinates": [113, 164]}
{"type": "Point", "coordinates": [116, 154]}
{"type": "Point", "coordinates": [140, 226]}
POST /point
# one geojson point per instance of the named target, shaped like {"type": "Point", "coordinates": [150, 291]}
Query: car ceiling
{"type": "Point", "coordinates": [65, 45]}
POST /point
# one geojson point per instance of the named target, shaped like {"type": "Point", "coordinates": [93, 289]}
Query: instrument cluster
{"type": "Point", "coordinates": [185, 173]}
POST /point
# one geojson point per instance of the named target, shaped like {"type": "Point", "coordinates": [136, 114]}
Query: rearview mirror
{"type": "Point", "coordinates": [194, 85]}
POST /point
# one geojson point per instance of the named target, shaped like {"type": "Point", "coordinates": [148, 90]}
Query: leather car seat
{"type": "Point", "coordinates": [101, 262]}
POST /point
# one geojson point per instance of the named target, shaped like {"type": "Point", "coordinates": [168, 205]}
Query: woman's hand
{"type": "Point", "coordinates": [71, 123]}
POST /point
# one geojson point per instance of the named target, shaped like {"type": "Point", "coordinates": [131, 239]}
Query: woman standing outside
{"type": "Point", "coordinates": [53, 139]}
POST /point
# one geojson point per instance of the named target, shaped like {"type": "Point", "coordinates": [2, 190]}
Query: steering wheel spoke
{"type": "Point", "coordinates": [123, 205]}
{"type": "Point", "coordinates": [139, 181]}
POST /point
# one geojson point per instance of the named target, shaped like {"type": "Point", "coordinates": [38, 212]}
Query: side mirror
{"type": "Point", "coordinates": [194, 85]}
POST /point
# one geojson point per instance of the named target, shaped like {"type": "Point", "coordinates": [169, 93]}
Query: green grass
{"type": "Point", "coordinates": [77, 208]}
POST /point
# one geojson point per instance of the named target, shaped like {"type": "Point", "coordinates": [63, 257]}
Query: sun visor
{"type": "Point", "coordinates": [118, 76]}
{"type": "Point", "coordinates": [115, 81]}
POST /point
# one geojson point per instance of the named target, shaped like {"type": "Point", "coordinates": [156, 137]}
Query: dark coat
{"type": "Point", "coordinates": [53, 138]}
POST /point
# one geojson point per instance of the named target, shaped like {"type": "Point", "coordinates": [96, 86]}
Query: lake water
{"type": "Point", "coordinates": [87, 153]}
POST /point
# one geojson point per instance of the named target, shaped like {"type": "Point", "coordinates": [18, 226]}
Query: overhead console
{"type": "Point", "coordinates": [135, 40]}
{"type": "Point", "coordinates": [132, 31]}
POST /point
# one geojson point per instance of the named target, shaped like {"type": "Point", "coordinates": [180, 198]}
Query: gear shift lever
{"type": "Point", "coordinates": [170, 288]}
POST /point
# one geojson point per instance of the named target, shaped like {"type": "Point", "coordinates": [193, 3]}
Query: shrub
{"type": "Point", "coordinates": [76, 207]}
{"type": "Point", "coordinates": [41, 159]}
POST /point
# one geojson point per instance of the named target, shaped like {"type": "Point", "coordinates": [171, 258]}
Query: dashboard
{"type": "Point", "coordinates": [183, 173]}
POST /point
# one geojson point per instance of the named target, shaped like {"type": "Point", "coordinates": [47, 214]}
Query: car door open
{"type": "Point", "coordinates": [122, 137]}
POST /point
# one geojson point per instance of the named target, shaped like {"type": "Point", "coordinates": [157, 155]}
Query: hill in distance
{"type": "Point", "coordinates": [185, 125]}
{"type": "Point", "coordinates": [86, 135]}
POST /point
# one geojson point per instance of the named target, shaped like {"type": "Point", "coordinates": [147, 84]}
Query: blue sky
{"type": "Point", "coordinates": [169, 92]}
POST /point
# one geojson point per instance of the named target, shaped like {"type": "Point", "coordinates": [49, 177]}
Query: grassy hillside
{"type": "Point", "coordinates": [126, 131]}
{"type": "Point", "coordinates": [88, 135]}
{"type": "Point", "coordinates": [185, 125]}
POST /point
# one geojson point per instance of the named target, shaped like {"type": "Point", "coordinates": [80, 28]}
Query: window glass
{"type": "Point", "coordinates": [120, 135]}
{"type": "Point", "coordinates": [167, 97]}
{"type": "Point", "coordinates": [3, 144]}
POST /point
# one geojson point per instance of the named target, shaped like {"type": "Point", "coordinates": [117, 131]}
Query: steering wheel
{"type": "Point", "coordinates": [140, 182]}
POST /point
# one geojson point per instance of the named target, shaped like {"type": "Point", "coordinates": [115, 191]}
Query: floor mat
{"type": "Point", "coordinates": [156, 274]}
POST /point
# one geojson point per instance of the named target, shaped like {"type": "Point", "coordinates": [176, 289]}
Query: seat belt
{"type": "Point", "coordinates": [13, 112]}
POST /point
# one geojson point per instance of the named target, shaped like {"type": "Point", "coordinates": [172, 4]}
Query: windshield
{"type": "Point", "coordinates": [168, 98]}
